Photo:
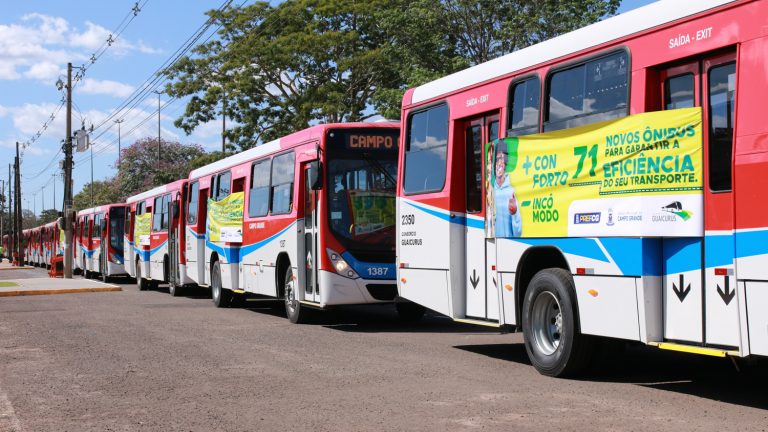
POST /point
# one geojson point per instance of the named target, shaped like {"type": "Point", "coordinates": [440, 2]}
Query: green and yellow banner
{"type": "Point", "coordinates": [372, 211]}
{"type": "Point", "coordinates": [640, 175]}
{"type": "Point", "coordinates": [141, 229]}
{"type": "Point", "coordinates": [225, 218]}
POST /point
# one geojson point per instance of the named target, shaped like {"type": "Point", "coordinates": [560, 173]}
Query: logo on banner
{"type": "Point", "coordinates": [586, 218]}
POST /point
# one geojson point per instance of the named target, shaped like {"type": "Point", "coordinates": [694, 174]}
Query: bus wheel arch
{"type": "Point", "coordinates": [281, 266]}
{"type": "Point", "coordinates": [532, 261]}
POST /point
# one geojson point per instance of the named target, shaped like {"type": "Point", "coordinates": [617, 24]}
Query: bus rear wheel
{"type": "Point", "coordinates": [141, 283]}
{"type": "Point", "coordinates": [221, 297]}
{"type": "Point", "coordinates": [295, 312]}
{"type": "Point", "coordinates": [550, 325]}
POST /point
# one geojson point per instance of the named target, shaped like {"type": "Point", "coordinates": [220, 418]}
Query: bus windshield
{"type": "Point", "coordinates": [361, 176]}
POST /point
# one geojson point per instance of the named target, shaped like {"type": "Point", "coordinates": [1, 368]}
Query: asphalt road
{"type": "Point", "coordinates": [144, 361]}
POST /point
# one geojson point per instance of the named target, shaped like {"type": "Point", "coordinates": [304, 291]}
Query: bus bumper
{"type": "Point", "coordinates": [338, 290]}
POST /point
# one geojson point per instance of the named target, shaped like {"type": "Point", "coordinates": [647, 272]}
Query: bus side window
{"type": "Point", "coordinates": [224, 185]}
{"type": "Point", "coordinates": [722, 92]}
{"type": "Point", "coordinates": [426, 149]}
{"type": "Point", "coordinates": [679, 92]}
{"type": "Point", "coordinates": [281, 196]}
{"type": "Point", "coordinates": [157, 216]}
{"type": "Point", "coordinates": [524, 99]}
{"type": "Point", "coordinates": [258, 196]}
{"type": "Point", "coordinates": [194, 197]}
{"type": "Point", "coordinates": [590, 92]}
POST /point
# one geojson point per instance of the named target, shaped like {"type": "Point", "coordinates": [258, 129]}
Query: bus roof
{"type": "Point", "coordinates": [100, 208]}
{"type": "Point", "coordinates": [285, 142]}
{"type": "Point", "coordinates": [156, 191]}
{"type": "Point", "coordinates": [634, 21]}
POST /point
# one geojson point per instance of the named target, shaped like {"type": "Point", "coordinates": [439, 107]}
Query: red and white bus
{"type": "Point", "coordinates": [155, 252]}
{"type": "Point", "coordinates": [51, 242]}
{"type": "Point", "coordinates": [308, 218]}
{"type": "Point", "coordinates": [703, 289]}
{"type": "Point", "coordinates": [99, 240]}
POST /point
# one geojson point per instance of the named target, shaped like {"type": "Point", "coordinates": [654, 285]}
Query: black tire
{"type": "Point", "coordinates": [294, 310]}
{"type": "Point", "coordinates": [222, 297]}
{"type": "Point", "coordinates": [141, 283]}
{"type": "Point", "coordinates": [174, 289]}
{"type": "Point", "coordinates": [551, 331]}
{"type": "Point", "coordinates": [409, 311]}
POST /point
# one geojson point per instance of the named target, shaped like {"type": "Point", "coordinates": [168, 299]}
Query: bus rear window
{"type": "Point", "coordinates": [426, 151]}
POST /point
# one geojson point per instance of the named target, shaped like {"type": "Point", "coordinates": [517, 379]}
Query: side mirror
{"type": "Point", "coordinates": [316, 175]}
{"type": "Point", "coordinates": [175, 209]}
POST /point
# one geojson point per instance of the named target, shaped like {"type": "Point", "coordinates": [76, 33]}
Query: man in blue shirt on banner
{"type": "Point", "coordinates": [508, 220]}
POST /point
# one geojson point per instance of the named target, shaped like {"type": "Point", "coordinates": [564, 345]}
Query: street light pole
{"type": "Point", "coordinates": [119, 152]}
{"type": "Point", "coordinates": [158, 92]}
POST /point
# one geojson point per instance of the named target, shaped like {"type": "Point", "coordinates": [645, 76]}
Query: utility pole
{"type": "Point", "coordinates": [89, 145]}
{"type": "Point", "coordinates": [18, 205]}
{"type": "Point", "coordinates": [158, 92]}
{"type": "Point", "coordinates": [68, 181]}
{"type": "Point", "coordinates": [54, 192]}
{"type": "Point", "coordinates": [119, 153]}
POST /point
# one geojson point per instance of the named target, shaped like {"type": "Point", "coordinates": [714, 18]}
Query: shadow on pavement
{"type": "Point", "coordinates": [384, 319]}
{"type": "Point", "coordinates": [706, 377]}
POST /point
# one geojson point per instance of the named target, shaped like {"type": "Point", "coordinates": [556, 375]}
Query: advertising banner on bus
{"type": "Point", "coordinates": [640, 175]}
{"type": "Point", "coordinates": [225, 218]}
{"type": "Point", "coordinates": [141, 229]}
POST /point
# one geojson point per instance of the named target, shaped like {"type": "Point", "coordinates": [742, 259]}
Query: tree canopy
{"type": "Point", "coordinates": [282, 68]}
{"type": "Point", "coordinates": [139, 171]}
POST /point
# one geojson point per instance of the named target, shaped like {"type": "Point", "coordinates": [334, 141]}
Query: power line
{"type": "Point", "coordinates": [111, 39]}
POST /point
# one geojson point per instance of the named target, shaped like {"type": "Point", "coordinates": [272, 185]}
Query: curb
{"type": "Point", "coordinates": [17, 268]}
{"type": "Point", "coordinates": [18, 293]}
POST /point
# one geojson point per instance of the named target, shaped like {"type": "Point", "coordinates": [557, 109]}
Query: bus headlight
{"type": "Point", "coordinates": [340, 265]}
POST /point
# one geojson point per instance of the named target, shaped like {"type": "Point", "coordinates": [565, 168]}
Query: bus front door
{"type": "Point", "coordinates": [308, 258]}
{"type": "Point", "coordinates": [481, 294]}
{"type": "Point", "coordinates": [173, 242]}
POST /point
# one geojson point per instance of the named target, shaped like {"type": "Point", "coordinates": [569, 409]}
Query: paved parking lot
{"type": "Point", "coordinates": [135, 361]}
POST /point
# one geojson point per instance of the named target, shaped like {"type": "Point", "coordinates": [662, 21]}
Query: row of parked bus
{"type": "Point", "coordinates": [607, 183]}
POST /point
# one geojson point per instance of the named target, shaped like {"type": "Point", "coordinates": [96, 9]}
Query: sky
{"type": "Point", "coordinates": [38, 38]}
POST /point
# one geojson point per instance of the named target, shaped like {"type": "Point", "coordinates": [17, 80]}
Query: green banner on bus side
{"type": "Point", "coordinates": [225, 218]}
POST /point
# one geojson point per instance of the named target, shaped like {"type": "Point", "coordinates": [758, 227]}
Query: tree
{"type": "Point", "coordinates": [138, 170]}
{"type": "Point", "coordinates": [47, 216]}
{"type": "Point", "coordinates": [104, 192]}
{"type": "Point", "coordinates": [205, 159]}
{"type": "Point", "coordinates": [28, 219]}
{"type": "Point", "coordinates": [284, 67]}
{"type": "Point", "coordinates": [281, 68]}
{"type": "Point", "coordinates": [430, 39]}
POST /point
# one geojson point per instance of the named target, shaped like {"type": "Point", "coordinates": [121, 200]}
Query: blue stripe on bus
{"type": "Point", "coordinates": [362, 268]}
{"type": "Point", "coordinates": [235, 254]}
{"type": "Point", "coordinates": [460, 220]}
{"type": "Point", "coordinates": [145, 255]}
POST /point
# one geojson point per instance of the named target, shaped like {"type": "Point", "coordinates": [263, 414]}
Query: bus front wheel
{"type": "Point", "coordinates": [295, 312]}
{"type": "Point", "coordinates": [141, 283]}
{"type": "Point", "coordinates": [550, 325]}
{"type": "Point", "coordinates": [221, 297]}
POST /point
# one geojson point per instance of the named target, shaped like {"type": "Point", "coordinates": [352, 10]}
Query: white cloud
{"type": "Point", "coordinates": [43, 71]}
{"type": "Point", "coordinates": [40, 41]}
{"type": "Point", "coordinates": [106, 87]}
